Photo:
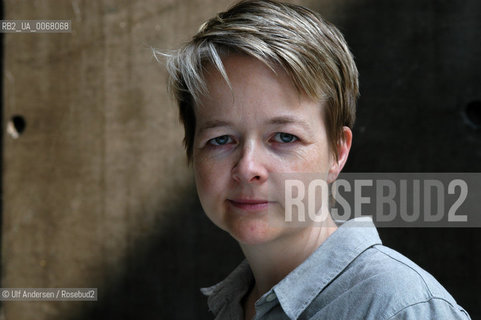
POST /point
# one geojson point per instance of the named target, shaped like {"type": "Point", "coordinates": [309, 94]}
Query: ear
{"type": "Point", "coordinates": [343, 148]}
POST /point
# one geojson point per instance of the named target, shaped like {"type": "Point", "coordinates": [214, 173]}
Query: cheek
{"type": "Point", "coordinates": [209, 180]}
{"type": "Point", "coordinates": [314, 159]}
{"type": "Point", "coordinates": [321, 155]}
{"type": "Point", "coordinates": [202, 176]}
{"type": "Point", "coordinates": [320, 160]}
{"type": "Point", "coordinates": [211, 187]}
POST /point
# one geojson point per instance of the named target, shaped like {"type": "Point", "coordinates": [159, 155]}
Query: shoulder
{"type": "Point", "coordinates": [390, 272]}
{"type": "Point", "coordinates": [434, 308]}
{"type": "Point", "coordinates": [398, 288]}
{"type": "Point", "coordinates": [381, 283]}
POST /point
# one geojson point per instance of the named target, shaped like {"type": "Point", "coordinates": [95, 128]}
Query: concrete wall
{"type": "Point", "coordinates": [99, 175]}
{"type": "Point", "coordinates": [96, 192]}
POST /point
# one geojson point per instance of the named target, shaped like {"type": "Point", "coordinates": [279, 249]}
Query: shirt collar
{"type": "Point", "coordinates": [231, 290]}
{"type": "Point", "coordinates": [297, 290]}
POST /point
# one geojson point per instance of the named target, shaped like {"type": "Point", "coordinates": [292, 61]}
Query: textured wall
{"type": "Point", "coordinates": [96, 192]}
{"type": "Point", "coordinates": [98, 176]}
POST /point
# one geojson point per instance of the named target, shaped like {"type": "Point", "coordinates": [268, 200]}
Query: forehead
{"type": "Point", "coordinates": [254, 96]}
{"type": "Point", "coordinates": [247, 80]}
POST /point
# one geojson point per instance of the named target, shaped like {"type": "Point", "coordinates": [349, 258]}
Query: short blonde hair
{"type": "Point", "coordinates": [309, 49]}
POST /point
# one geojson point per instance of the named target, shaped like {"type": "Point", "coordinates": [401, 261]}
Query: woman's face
{"type": "Point", "coordinates": [245, 138]}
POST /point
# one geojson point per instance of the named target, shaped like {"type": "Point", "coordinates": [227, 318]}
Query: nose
{"type": "Point", "coordinates": [250, 166]}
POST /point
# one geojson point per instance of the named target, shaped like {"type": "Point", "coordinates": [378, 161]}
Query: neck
{"type": "Point", "coordinates": [272, 261]}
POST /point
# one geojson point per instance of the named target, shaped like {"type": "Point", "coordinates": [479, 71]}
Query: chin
{"type": "Point", "coordinates": [253, 232]}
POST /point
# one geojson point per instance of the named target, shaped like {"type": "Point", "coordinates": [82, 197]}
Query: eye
{"type": "Point", "coordinates": [283, 137]}
{"type": "Point", "coordinates": [221, 140]}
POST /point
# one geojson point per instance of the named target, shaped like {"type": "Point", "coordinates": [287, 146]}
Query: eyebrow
{"type": "Point", "coordinates": [281, 120]}
{"type": "Point", "coordinates": [214, 124]}
{"type": "Point", "coordinates": [290, 120]}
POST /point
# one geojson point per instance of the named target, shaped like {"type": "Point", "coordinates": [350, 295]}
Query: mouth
{"type": "Point", "coordinates": [250, 204]}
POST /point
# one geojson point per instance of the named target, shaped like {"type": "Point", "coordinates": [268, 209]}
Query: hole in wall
{"type": "Point", "coordinates": [472, 114]}
{"type": "Point", "coordinates": [16, 126]}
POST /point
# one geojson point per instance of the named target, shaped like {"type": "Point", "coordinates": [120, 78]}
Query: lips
{"type": "Point", "coordinates": [250, 204]}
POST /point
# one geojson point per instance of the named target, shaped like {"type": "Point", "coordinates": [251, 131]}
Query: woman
{"type": "Point", "coordinates": [265, 90]}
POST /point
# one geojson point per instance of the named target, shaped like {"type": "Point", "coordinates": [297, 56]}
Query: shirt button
{"type": "Point", "coordinates": [271, 297]}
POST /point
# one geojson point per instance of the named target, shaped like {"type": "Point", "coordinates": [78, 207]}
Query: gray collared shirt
{"type": "Point", "coordinates": [350, 276]}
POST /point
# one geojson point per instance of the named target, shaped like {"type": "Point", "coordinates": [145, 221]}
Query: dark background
{"type": "Point", "coordinates": [419, 111]}
{"type": "Point", "coordinates": [420, 75]}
